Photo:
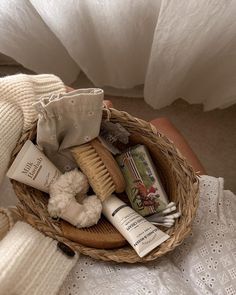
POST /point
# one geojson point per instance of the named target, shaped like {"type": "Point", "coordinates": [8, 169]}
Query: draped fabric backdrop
{"type": "Point", "coordinates": [184, 48]}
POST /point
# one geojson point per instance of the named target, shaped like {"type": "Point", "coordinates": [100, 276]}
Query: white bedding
{"type": "Point", "coordinates": [184, 48]}
{"type": "Point", "coordinates": [204, 264]}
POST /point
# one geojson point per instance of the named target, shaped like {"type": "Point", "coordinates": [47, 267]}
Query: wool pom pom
{"type": "Point", "coordinates": [63, 204]}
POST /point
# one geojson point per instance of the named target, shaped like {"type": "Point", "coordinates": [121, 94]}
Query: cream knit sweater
{"type": "Point", "coordinates": [17, 94]}
{"type": "Point", "coordinates": [30, 263]}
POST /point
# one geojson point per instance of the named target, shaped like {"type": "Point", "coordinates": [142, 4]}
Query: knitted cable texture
{"type": "Point", "coordinates": [17, 94]}
{"type": "Point", "coordinates": [31, 264]}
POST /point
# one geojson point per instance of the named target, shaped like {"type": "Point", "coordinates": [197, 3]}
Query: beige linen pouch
{"type": "Point", "coordinates": [67, 120]}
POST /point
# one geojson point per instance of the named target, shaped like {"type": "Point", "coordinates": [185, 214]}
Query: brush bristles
{"type": "Point", "coordinates": [92, 166]}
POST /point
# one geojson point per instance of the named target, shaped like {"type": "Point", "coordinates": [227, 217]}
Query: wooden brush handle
{"type": "Point", "coordinates": [110, 164]}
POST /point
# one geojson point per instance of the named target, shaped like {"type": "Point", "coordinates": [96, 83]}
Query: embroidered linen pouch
{"type": "Point", "coordinates": [67, 120]}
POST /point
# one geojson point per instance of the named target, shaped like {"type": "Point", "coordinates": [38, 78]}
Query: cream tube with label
{"type": "Point", "coordinates": [140, 233]}
{"type": "Point", "coordinates": [33, 168]}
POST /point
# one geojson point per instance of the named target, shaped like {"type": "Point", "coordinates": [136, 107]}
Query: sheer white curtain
{"type": "Point", "coordinates": [184, 48]}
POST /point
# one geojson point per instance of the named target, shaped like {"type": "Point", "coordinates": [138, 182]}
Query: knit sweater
{"type": "Point", "coordinates": [17, 94]}
{"type": "Point", "coordinates": [30, 263]}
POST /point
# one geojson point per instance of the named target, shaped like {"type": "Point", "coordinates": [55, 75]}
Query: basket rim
{"type": "Point", "coordinates": [32, 210]}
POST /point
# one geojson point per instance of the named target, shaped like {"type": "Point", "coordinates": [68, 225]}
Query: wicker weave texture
{"type": "Point", "coordinates": [179, 179]}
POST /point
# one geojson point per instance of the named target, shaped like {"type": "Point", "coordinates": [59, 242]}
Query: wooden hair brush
{"type": "Point", "coordinates": [98, 164]}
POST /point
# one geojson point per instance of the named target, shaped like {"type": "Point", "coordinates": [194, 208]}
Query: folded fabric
{"type": "Point", "coordinates": [67, 120]}
{"type": "Point", "coordinates": [31, 263]}
{"type": "Point", "coordinates": [17, 94]}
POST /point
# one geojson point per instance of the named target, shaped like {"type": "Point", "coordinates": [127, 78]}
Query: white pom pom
{"type": "Point", "coordinates": [92, 207]}
{"type": "Point", "coordinates": [62, 202]}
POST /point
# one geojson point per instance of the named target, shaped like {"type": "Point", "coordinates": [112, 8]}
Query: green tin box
{"type": "Point", "coordinates": [143, 185]}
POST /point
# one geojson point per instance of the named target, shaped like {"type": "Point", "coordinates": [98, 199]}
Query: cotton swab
{"type": "Point", "coordinates": [174, 215]}
{"type": "Point", "coordinates": [171, 216]}
{"type": "Point", "coordinates": [170, 205]}
{"type": "Point", "coordinates": [163, 224]}
{"type": "Point", "coordinates": [165, 217]}
{"type": "Point", "coordinates": [161, 218]}
{"type": "Point", "coordinates": [167, 210]}
{"type": "Point", "coordinates": [162, 214]}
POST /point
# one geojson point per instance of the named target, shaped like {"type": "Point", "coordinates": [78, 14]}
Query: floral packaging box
{"type": "Point", "coordinates": [143, 186]}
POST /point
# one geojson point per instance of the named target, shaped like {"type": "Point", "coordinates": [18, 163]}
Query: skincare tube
{"type": "Point", "coordinates": [140, 233]}
{"type": "Point", "coordinates": [33, 168]}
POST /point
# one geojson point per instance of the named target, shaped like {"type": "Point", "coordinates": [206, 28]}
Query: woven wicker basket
{"type": "Point", "coordinates": [180, 182]}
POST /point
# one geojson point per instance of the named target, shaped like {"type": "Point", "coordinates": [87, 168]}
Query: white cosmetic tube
{"type": "Point", "coordinates": [33, 168]}
{"type": "Point", "coordinates": [140, 233]}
